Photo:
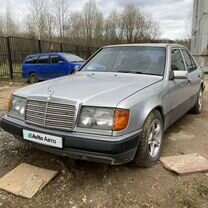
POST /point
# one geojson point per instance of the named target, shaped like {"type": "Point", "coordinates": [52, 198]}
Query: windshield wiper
{"type": "Point", "coordinates": [133, 72]}
{"type": "Point", "coordinates": [138, 72]}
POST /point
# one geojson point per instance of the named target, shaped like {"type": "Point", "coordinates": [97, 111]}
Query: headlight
{"type": "Point", "coordinates": [16, 107]}
{"type": "Point", "coordinates": [103, 118]}
{"type": "Point", "coordinates": [96, 118]}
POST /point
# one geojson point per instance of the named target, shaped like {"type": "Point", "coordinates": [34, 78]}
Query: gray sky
{"type": "Point", "coordinates": [174, 15]}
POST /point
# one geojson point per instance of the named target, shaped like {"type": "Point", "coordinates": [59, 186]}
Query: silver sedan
{"type": "Point", "coordinates": [114, 109]}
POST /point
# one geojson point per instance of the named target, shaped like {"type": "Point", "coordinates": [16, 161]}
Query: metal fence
{"type": "Point", "coordinates": [13, 51]}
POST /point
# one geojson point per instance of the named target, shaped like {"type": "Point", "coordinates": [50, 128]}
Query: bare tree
{"type": "Point", "coordinates": [51, 19]}
{"type": "Point", "coordinates": [8, 22]}
{"type": "Point", "coordinates": [30, 27]}
{"type": "Point", "coordinates": [1, 25]}
{"type": "Point", "coordinates": [93, 20]}
{"type": "Point", "coordinates": [129, 22]}
{"type": "Point", "coordinates": [50, 26]}
{"type": "Point", "coordinates": [135, 26]}
{"type": "Point", "coordinates": [61, 12]}
{"type": "Point", "coordinates": [110, 28]}
{"type": "Point", "coordinates": [36, 20]}
{"type": "Point", "coordinates": [76, 32]}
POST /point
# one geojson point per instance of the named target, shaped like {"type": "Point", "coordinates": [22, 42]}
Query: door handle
{"type": "Point", "coordinates": [188, 81]}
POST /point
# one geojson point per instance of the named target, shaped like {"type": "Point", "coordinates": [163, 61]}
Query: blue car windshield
{"type": "Point", "coordinates": [129, 59]}
{"type": "Point", "coordinates": [71, 57]}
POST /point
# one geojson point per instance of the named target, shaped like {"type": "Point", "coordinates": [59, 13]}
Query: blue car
{"type": "Point", "coordinates": [49, 65]}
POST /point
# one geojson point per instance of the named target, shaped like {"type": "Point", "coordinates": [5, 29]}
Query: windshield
{"type": "Point", "coordinates": [129, 59]}
{"type": "Point", "coordinates": [72, 58]}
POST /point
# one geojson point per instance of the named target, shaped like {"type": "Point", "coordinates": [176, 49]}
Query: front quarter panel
{"type": "Point", "coordinates": [142, 103]}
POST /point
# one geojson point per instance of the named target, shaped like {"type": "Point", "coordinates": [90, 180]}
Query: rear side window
{"type": "Point", "coordinates": [71, 57]}
{"type": "Point", "coordinates": [43, 60]}
{"type": "Point", "coordinates": [31, 60]}
{"type": "Point", "coordinates": [191, 66]}
{"type": "Point", "coordinates": [177, 63]}
{"type": "Point", "coordinates": [56, 59]}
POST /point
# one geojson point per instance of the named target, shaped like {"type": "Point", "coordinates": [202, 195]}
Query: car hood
{"type": "Point", "coordinates": [92, 88]}
{"type": "Point", "coordinates": [78, 63]}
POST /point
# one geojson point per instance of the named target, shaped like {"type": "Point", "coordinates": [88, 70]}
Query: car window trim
{"type": "Point", "coordinates": [42, 56]}
{"type": "Point", "coordinates": [165, 63]}
{"type": "Point", "coordinates": [189, 71]}
{"type": "Point", "coordinates": [50, 57]}
{"type": "Point", "coordinates": [31, 57]}
{"type": "Point", "coordinates": [192, 60]}
{"type": "Point", "coordinates": [178, 48]}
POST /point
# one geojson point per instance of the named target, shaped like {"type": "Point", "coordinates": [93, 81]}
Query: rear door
{"type": "Point", "coordinates": [43, 67]}
{"type": "Point", "coordinates": [194, 74]}
{"type": "Point", "coordinates": [28, 66]}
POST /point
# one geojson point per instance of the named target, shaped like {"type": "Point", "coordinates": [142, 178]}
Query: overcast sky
{"type": "Point", "coordinates": [174, 15]}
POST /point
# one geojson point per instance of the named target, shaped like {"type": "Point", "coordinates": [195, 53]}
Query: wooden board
{"type": "Point", "coordinates": [26, 180]}
{"type": "Point", "coordinates": [184, 164]}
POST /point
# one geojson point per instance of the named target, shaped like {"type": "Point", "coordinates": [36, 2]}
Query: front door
{"type": "Point", "coordinates": [177, 96]}
{"type": "Point", "coordinates": [58, 66]}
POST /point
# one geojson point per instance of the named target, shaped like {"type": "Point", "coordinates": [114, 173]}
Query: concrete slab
{"type": "Point", "coordinates": [185, 164]}
{"type": "Point", "coordinates": [26, 180]}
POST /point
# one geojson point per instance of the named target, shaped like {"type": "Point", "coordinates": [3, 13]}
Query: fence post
{"type": "Point", "coordinates": [77, 50]}
{"type": "Point", "coordinates": [61, 47]}
{"type": "Point", "coordinates": [9, 57]}
{"type": "Point", "coordinates": [89, 52]}
{"type": "Point", "coordinates": [39, 46]}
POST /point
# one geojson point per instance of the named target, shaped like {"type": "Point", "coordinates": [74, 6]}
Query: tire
{"type": "Point", "coordinates": [197, 109]}
{"type": "Point", "coordinates": [149, 149]}
{"type": "Point", "coordinates": [33, 78]}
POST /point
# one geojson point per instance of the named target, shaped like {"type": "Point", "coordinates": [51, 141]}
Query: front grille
{"type": "Point", "coordinates": [50, 114]}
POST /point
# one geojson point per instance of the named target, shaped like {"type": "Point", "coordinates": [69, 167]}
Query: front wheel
{"type": "Point", "coordinates": [197, 109]}
{"type": "Point", "coordinates": [149, 149]}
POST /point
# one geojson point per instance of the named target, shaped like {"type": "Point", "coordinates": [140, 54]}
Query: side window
{"type": "Point", "coordinates": [177, 63]}
{"type": "Point", "coordinates": [55, 59]}
{"type": "Point", "coordinates": [31, 60]}
{"type": "Point", "coordinates": [191, 66]}
{"type": "Point", "coordinates": [43, 60]}
{"type": "Point", "coordinates": [193, 63]}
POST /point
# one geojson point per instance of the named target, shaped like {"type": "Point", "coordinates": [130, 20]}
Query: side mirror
{"type": "Point", "coordinates": [61, 62]}
{"type": "Point", "coordinates": [180, 74]}
{"type": "Point", "coordinates": [77, 67]}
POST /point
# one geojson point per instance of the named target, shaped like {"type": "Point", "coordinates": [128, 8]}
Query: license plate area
{"type": "Point", "coordinates": [45, 139]}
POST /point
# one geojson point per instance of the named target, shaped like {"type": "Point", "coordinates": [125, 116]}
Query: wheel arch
{"type": "Point", "coordinates": [160, 109]}
{"type": "Point", "coordinates": [30, 72]}
{"type": "Point", "coordinates": [203, 86]}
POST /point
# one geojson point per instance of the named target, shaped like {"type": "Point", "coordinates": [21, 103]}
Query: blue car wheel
{"type": "Point", "coordinates": [33, 78]}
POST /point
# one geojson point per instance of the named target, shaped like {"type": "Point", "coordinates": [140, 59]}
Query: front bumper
{"type": "Point", "coordinates": [98, 148]}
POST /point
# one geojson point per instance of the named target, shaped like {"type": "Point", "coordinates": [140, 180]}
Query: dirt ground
{"type": "Point", "coordinates": [83, 184]}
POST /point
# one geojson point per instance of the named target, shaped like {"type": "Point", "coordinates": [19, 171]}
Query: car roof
{"type": "Point", "coordinates": [49, 54]}
{"type": "Point", "coordinates": [147, 45]}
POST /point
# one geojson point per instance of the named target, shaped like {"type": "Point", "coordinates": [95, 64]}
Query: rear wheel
{"type": "Point", "coordinates": [149, 149]}
{"type": "Point", "coordinates": [197, 109]}
{"type": "Point", "coordinates": [33, 78]}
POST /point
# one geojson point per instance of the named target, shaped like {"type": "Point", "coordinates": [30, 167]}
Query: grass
{"type": "Point", "coordinates": [193, 194]}
{"type": "Point", "coordinates": [184, 198]}
{"type": "Point", "coordinates": [17, 72]}
{"type": "Point", "coordinates": [202, 190]}
{"type": "Point", "coordinates": [16, 77]}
